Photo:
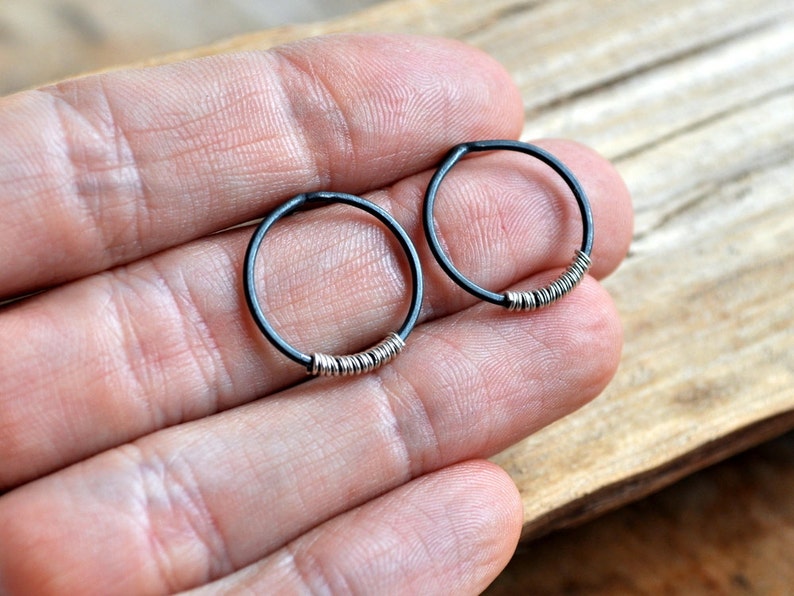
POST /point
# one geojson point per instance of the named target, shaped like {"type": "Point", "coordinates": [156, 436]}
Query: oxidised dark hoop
{"type": "Point", "coordinates": [533, 299]}
{"type": "Point", "coordinates": [326, 364]}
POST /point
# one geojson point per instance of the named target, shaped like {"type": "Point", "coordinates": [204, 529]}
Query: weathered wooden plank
{"type": "Point", "coordinates": [702, 139]}
{"type": "Point", "coordinates": [694, 101]}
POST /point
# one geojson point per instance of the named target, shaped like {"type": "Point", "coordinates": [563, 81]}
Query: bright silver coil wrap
{"type": "Point", "coordinates": [561, 286]}
{"type": "Point", "coordinates": [355, 364]}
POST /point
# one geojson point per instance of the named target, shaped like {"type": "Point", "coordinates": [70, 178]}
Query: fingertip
{"type": "Point", "coordinates": [469, 516]}
{"type": "Point", "coordinates": [500, 499]}
{"type": "Point", "coordinates": [487, 522]}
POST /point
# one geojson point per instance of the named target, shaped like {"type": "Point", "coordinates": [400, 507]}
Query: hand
{"type": "Point", "coordinates": [151, 440]}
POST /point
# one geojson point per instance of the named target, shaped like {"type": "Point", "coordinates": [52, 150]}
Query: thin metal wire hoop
{"type": "Point", "coordinates": [449, 161]}
{"type": "Point", "coordinates": [323, 198]}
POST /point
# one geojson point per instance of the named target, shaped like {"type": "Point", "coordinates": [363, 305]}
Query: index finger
{"type": "Point", "coordinates": [107, 169]}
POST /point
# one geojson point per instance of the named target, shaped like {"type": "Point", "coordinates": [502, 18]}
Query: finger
{"type": "Point", "coordinates": [200, 500]}
{"type": "Point", "coordinates": [169, 340]}
{"type": "Point", "coordinates": [106, 169]}
{"type": "Point", "coordinates": [449, 532]}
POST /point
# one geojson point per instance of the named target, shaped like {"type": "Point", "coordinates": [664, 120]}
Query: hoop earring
{"type": "Point", "coordinates": [530, 300]}
{"type": "Point", "coordinates": [326, 364]}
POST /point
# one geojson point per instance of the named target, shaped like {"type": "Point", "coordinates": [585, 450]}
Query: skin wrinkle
{"type": "Point", "coordinates": [227, 148]}
{"type": "Point", "coordinates": [315, 281]}
{"type": "Point", "coordinates": [204, 524]}
{"type": "Point", "coordinates": [111, 155]}
{"type": "Point", "coordinates": [244, 74]}
{"type": "Point", "coordinates": [474, 539]}
{"type": "Point", "coordinates": [398, 388]}
{"type": "Point", "coordinates": [202, 157]}
{"type": "Point", "coordinates": [33, 183]}
{"type": "Point", "coordinates": [334, 454]}
{"type": "Point", "coordinates": [396, 548]}
{"type": "Point", "coordinates": [223, 386]}
{"type": "Point", "coordinates": [578, 333]}
{"type": "Point", "coordinates": [318, 457]}
{"type": "Point", "coordinates": [309, 562]}
{"type": "Point", "coordinates": [14, 441]}
{"type": "Point", "coordinates": [317, 576]}
{"type": "Point", "coordinates": [403, 200]}
{"type": "Point", "coordinates": [481, 251]}
{"type": "Point", "coordinates": [304, 116]}
{"type": "Point", "coordinates": [460, 368]}
{"type": "Point", "coordinates": [604, 324]}
{"type": "Point", "coordinates": [151, 369]}
{"type": "Point", "coordinates": [547, 369]}
{"type": "Point", "coordinates": [281, 468]}
{"type": "Point", "coordinates": [140, 220]}
{"type": "Point", "coordinates": [541, 367]}
{"type": "Point", "coordinates": [510, 243]}
{"type": "Point", "coordinates": [78, 186]}
{"type": "Point", "coordinates": [170, 491]}
{"type": "Point", "coordinates": [378, 266]}
{"type": "Point", "coordinates": [196, 333]}
{"type": "Point", "coordinates": [135, 510]}
{"type": "Point", "coordinates": [139, 377]}
{"type": "Point", "coordinates": [554, 200]}
{"type": "Point", "coordinates": [156, 548]}
{"type": "Point", "coordinates": [409, 535]}
{"type": "Point", "coordinates": [18, 163]}
{"type": "Point", "coordinates": [517, 366]}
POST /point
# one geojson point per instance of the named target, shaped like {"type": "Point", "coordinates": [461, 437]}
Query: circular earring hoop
{"type": "Point", "coordinates": [326, 364]}
{"type": "Point", "coordinates": [533, 299]}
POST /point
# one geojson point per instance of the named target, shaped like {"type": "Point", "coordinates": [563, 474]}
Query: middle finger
{"type": "Point", "coordinates": [168, 339]}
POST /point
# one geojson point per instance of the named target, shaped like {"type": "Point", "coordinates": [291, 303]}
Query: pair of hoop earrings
{"type": "Point", "coordinates": [393, 344]}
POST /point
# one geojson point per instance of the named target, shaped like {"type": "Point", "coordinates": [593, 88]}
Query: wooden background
{"type": "Point", "coordinates": [44, 40]}
{"type": "Point", "coordinates": [694, 102]}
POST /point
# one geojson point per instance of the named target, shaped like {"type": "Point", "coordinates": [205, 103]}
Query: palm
{"type": "Point", "coordinates": [152, 441]}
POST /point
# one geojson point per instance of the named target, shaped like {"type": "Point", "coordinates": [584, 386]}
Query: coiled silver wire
{"type": "Point", "coordinates": [561, 286]}
{"type": "Point", "coordinates": [355, 364]}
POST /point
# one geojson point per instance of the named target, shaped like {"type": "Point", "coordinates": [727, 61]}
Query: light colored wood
{"type": "Point", "coordinates": [694, 101]}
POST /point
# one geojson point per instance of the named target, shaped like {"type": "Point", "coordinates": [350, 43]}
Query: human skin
{"type": "Point", "coordinates": [152, 441]}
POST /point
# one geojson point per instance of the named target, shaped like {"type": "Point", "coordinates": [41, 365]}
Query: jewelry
{"type": "Point", "coordinates": [326, 364]}
{"type": "Point", "coordinates": [533, 299]}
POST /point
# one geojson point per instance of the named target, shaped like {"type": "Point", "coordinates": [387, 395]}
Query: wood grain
{"type": "Point", "coordinates": [696, 115]}
{"type": "Point", "coordinates": [694, 101]}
